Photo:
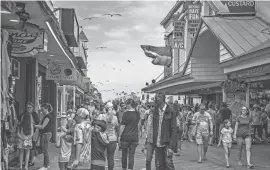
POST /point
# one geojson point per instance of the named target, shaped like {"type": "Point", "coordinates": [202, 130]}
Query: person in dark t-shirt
{"type": "Point", "coordinates": [129, 134]}
{"type": "Point", "coordinates": [225, 113]}
{"type": "Point", "coordinates": [45, 133]}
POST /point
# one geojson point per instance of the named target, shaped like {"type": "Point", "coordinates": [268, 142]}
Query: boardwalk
{"type": "Point", "coordinates": [187, 159]}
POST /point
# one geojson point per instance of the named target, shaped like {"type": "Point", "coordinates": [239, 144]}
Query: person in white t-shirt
{"type": "Point", "coordinates": [226, 138]}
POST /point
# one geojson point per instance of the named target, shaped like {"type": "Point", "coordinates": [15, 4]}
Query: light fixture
{"type": "Point", "coordinates": [14, 20]}
{"type": "Point", "coordinates": [51, 55]}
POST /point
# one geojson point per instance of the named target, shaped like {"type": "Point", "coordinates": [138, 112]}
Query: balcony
{"type": "Point", "coordinates": [81, 55]}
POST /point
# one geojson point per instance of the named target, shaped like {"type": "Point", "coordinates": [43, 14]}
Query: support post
{"type": "Point", "coordinates": [224, 95]}
{"type": "Point", "coordinates": [74, 97]}
{"type": "Point", "coordinates": [247, 96]}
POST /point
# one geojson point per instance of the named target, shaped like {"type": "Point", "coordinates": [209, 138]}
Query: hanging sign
{"type": "Point", "coordinates": [178, 44]}
{"type": "Point", "coordinates": [194, 16]}
{"type": "Point", "coordinates": [178, 34]}
{"type": "Point", "coordinates": [61, 73]}
{"type": "Point", "coordinates": [253, 72]}
{"type": "Point", "coordinates": [27, 44]}
{"type": "Point", "coordinates": [235, 7]}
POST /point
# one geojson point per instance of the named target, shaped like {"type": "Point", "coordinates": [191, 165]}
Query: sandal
{"type": "Point", "coordinates": [250, 166]}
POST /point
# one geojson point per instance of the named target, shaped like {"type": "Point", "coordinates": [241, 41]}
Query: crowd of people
{"type": "Point", "coordinates": [90, 136]}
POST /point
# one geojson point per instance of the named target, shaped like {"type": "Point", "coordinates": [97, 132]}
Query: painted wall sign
{"type": "Point", "coordinates": [236, 6]}
{"type": "Point", "coordinates": [26, 44]}
{"type": "Point", "coordinates": [253, 72]}
{"type": "Point", "coordinates": [194, 16]}
{"type": "Point", "coordinates": [61, 73]}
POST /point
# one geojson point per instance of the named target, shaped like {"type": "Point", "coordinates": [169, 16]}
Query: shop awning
{"type": "Point", "coordinates": [240, 35]}
{"type": "Point", "coordinates": [179, 84]}
{"type": "Point", "coordinates": [200, 87]}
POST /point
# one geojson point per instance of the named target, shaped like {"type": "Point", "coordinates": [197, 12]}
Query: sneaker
{"type": "Point", "coordinates": [43, 168]}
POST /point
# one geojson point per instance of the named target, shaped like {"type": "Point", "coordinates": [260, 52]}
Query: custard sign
{"type": "Point", "coordinates": [235, 7]}
{"type": "Point", "coordinates": [26, 44]}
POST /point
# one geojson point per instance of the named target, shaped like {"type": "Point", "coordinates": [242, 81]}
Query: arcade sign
{"type": "Point", "coordinates": [27, 44]}
{"type": "Point", "coordinates": [235, 7]}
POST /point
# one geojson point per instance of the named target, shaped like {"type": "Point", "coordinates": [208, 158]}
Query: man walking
{"type": "Point", "coordinates": [203, 122]}
{"type": "Point", "coordinates": [161, 135]}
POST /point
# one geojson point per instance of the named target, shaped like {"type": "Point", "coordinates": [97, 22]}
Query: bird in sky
{"type": "Point", "coordinates": [90, 18]}
{"type": "Point", "coordinates": [101, 48]}
{"type": "Point", "coordinates": [129, 61]}
{"type": "Point", "coordinates": [112, 15]}
{"type": "Point", "coordinates": [114, 68]}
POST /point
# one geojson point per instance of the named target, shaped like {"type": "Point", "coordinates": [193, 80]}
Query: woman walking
{"type": "Point", "coordinates": [242, 132]}
{"type": "Point", "coordinates": [129, 134]}
{"type": "Point", "coordinates": [45, 129]}
{"type": "Point", "coordinates": [111, 131]}
{"type": "Point", "coordinates": [25, 133]}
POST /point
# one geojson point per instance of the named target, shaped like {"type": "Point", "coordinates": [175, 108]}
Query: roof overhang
{"type": "Point", "coordinates": [215, 24]}
{"type": "Point", "coordinates": [171, 12]}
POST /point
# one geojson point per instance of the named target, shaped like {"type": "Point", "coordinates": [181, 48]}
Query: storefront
{"type": "Point", "coordinates": [250, 85]}
{"type": "Point", "coordinates": [24, 47]}
{"type": "Point", "coordinates": [20, 43]}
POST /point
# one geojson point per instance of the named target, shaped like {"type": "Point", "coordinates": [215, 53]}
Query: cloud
{"type": "Point", "coordinates": [92, 27]}
{"type": "Point", "coordinates": [141, 27]}
{"type": "Point", "coordinates": [118, 33]}
{"type": "Point", "coordinates": [149, 10]}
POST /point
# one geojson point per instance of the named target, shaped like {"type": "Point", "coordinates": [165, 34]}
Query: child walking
{"type": "Point", "coordinates": [226, 138]}
{"type": "Point", "coordinates": [99, 142]}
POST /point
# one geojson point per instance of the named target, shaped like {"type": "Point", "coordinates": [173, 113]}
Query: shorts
{"type": "Point", "coordinates": [227, 144]}
{"type": "Point", "coordinates": [202, 137]}
{"type": "Point", "coordinates": [21, 144]}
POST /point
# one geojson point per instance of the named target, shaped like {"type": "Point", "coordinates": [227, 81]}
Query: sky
{"type": "Point", "coordinates": [138, 25]}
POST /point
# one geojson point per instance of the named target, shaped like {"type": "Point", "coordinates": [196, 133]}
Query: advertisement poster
{"type": "Point", "coordinates": [194, 16]}
{"type": "Point", "coordinates": [178, 34]}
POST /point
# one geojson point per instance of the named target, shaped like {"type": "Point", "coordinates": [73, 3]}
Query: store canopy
{"type": "Point", "coordinates": [239, 35]}
{"type": "Point", "coordinates": [179, 84]}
